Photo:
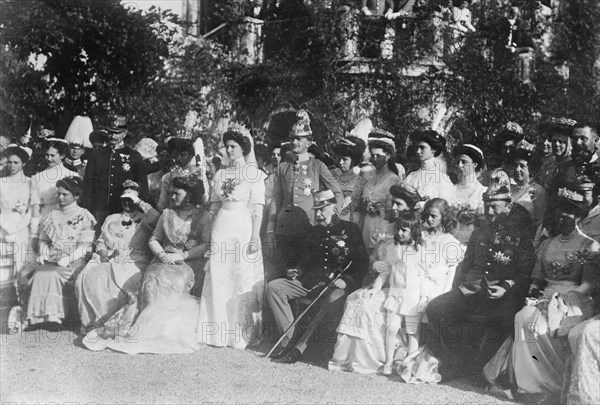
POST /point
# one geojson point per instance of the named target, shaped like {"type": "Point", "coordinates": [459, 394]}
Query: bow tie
{"type": "Point", "coordinates": [127, 223]}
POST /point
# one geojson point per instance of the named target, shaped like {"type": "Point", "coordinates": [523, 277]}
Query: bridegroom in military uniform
{"type": "Point", "coordinates": [106, 171]}
{"type": "Point", "coordinates": [291, 215]}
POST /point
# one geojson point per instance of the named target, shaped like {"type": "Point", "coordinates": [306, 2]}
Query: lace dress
{"type": "Point", "coordinates": [375, 201]}
{"type": "Point", "coordinates": [166, 312]}
{"type": "Point", "coordinates": [63, 231]}
{"type": "Point", "coordinates": [360, 345]}
{"type": "Point", "coordinates": [103, 288]}
{"type": "Point", "coordinates": [15, 216]}
{"type": "Point", "coordinates": [231, 300]}
{"type": "Point", "coordinates": [351, 185]}
{"type": "Point", "coordinates": [536, 359]}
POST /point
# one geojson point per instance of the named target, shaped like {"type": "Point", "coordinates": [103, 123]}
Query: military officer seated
{"type": "Point", "coordinates": [497, 267]}
{"type": "Point", "coordinates": [331, 244]}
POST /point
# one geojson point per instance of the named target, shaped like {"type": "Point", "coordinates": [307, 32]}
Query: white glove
{"type": "Point", "coordinates": [132, 197]}
{"type": "Point", "coordinates": [63, 261]}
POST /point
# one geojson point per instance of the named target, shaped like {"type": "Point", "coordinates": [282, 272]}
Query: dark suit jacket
{"type": "Point", "coordinates": [105, 173]}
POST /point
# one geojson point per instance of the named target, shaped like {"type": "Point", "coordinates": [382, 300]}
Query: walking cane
{"type": "Point", "coordinates": [308, 308]}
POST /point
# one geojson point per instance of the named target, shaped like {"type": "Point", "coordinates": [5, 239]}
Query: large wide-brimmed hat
{"type": "Point", "coordinates": [573, 198]}
{"type": "Point", "coordinates": [559, 125]}
{"type": "Point", "coordinates": [497, 193]}
{"type": "Point", "coordinates": [524, 150]}
{"type": "Point", "coordinates": [352, 147]}
{"type": "Point", "coordinates": [380, 137]}
{"type": "Point", "coordinates": [406, 193]}
{"type": "Point", "coordinates": [323, 198]}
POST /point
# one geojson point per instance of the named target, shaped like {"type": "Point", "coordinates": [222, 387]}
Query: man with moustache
{"type": "Point", "coordinates": [106, 171]}
{"type": "Point", "coordinates": [329, 246]}
{"type": "Point", "coordinates": [585, 141]}
{"type": "Point", "coordinates": [497, 266]}
{"type": "Point", "coordinates": [290, 216]}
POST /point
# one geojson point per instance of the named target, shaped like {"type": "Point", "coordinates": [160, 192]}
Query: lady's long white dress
{"type": "Point", "coordinates": [231, 300]}
{"type": "Point", "coordinates": [16, 201]}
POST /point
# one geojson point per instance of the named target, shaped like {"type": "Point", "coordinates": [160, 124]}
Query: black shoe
{"type": "Point", "coordinates": [290, 358]}
{"type": "Point", "coordinates": [279, 353]}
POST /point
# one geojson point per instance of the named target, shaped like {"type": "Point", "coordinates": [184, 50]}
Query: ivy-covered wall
{"type": "Point", "coordinates": [67, 57]}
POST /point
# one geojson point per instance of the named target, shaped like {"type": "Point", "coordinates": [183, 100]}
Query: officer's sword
{"type": "Point", "coordinates": [339, 274]}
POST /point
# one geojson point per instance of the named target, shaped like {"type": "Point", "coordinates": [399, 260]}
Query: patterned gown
{"type": "Point", "coordinates": [103, 288]}
{"type": "Point", "coordinates": [15, 216]}
{"type": "Point", "coordinates": [166, 312]}
{"type": "Point", "coordinates": [64, 231]}
{"type": "Point", "coordinates": [536, 359]}
{"type": "Point", "coordinates": [375, 202]}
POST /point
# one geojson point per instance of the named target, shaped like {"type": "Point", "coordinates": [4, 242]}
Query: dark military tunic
{"type": "Point", "coordinates": [105, 173]}
{"type": "Point", "coordinates": [331, 248]}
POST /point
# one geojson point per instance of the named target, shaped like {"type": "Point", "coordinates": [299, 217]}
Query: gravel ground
{"type": "Point", "coordinates": [43, 367]}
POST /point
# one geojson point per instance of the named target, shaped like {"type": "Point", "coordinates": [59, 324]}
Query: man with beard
{"type": "Point", "coordinates": [329, 246]}
{"type": "Point", "coordinates": [497, 266]}
{"type": "Point", "coordinates": [585, 150]}
{"type": "Point", "coordinates": [584, 157]}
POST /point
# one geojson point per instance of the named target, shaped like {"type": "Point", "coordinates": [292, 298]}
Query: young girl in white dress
{"type": "Point", "coordinates": [404, 269]}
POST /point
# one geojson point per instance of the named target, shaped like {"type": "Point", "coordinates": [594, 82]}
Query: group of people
{"type": "Point", "coordinates": [425, 268]}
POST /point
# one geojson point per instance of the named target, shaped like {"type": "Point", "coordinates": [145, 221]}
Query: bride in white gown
{"type": "Point", "coordinates": [231, 300]}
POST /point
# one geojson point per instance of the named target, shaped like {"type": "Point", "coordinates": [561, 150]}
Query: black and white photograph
{"type": "Point", "coordinates": [299, 202]}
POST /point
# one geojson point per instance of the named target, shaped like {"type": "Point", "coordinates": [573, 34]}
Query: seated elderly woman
{"type": "Point", "coordinates": [564, 277]}
{"type": "Point", "coordinates": [165, 314]}
{"type": "Point", "coordinates": [122, 254]}
{"type": "Point", "coordinates": [65, 236]}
